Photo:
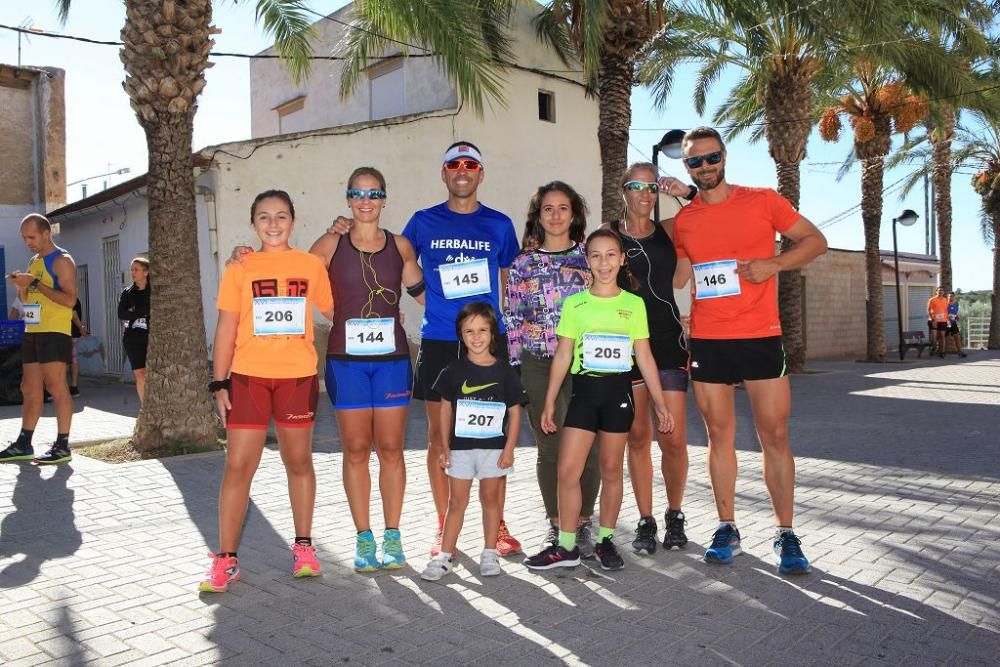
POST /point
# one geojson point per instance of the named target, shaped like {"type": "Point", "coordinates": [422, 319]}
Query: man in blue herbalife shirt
{"type": "Point", "coordinates": [465, 249]}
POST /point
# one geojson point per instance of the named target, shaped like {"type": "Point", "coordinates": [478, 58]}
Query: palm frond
{"type": "Point", "coordinates": [62, 7]}
{"type": "Point", "coordinates": [289, 23]}
{"type": "Point", "coordinates": [469, 41]}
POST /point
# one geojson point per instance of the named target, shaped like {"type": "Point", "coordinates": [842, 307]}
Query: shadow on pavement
{"type": "Point", "coordinates": [41, 526]}
{"type": "Point", "coordinates": [889, 414]}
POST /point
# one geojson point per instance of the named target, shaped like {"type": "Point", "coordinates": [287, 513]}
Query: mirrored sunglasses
{"type": "Point", "coordinates": [468, 165]}
{"type": "Point", "coordinates": [373, 194]}
{"type": "Point", "coordinates": [695, 161]}
{"type": "Point", "coordinates": [641, 186]}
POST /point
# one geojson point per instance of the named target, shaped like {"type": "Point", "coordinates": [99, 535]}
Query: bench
{"type": "Point", "coordinates": [914, 339]}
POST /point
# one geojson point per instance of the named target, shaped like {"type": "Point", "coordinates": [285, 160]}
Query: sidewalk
{"type": "Point", "coordinates": [898, 505]}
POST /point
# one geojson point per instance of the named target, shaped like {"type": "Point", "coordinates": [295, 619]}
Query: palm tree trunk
{"type": "Point", "coordinates": [177, 406]}
{"type": "Point", "coordinates": [166, 46]}
{"type": "Point", "coordinates": [994, 340]}
{"type": "Point", "coordinates": [788, 100]}
{"type": "Point", "coordinates": [871, 216]}
{"type": "Point", "coordinates": [615, 115]}
{"type": "Point", "coordinates": [942, 192]}
{"type": "Point", "coordinates": [790, 298]}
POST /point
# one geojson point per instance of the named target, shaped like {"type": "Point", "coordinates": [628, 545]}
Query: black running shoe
{"type": "Point", "coordinates": [554, 556]}
{"type": "Point", "coordinates": [673, 530]}
{"type": "Point", "coordinates": [16, 453]}
{"type": "Point", "coordinates": [607, 553]}
{"type": "Point", "coordinates": [645, 536]}
{"type": "Point", "coordinates": [74, 391]}
{"type": "Point", "coordinates": [55, 455]}
{"type": "Point", "coordinates": [585, 539]}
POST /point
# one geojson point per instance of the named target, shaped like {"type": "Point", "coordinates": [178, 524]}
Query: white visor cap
{"type": "Point", "coordinates": [462, 151]}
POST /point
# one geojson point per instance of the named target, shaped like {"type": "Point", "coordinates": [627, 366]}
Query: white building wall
{"type": "Point", "coordinates": [520, 152]}
{"type": "Point", "coordinates": [16, 255]}
{"type": "Point", "coordinates": [426, 88]}
{"type": "Point", "coordinates": [82, 233]}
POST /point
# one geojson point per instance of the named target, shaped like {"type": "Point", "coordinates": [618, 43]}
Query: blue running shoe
{"type": "Point", "coordinates": [364, 554]}
{"type": "Point", "coordinates": [725, 545]}
{"type": "Point", "coordinates": [788, 552]}
{"type": "Point", "coordinates": [392, 550]}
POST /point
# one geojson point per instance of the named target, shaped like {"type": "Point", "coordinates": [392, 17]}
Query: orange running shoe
{"type": "Point", "coordinates": [506, 543]}
{"type": "Point", "coordinates": [304, 563]}
{"type": "Point", "coordinates": [224, 570]}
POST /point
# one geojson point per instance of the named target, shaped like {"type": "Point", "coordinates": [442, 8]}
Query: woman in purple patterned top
{"type": "Point", "coordinates": [552, 266]}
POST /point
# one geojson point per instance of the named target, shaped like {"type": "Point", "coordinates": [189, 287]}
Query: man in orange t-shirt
{"type": "Point", "coordinates": [937, 315]}
{"type": "Point", "coordinates": [725, 242]}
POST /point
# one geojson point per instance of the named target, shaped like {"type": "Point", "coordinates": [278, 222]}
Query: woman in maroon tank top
{"type": "Point", "coordinates": [368, 375]}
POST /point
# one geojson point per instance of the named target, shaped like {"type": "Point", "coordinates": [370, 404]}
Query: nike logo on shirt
{"type": "Point", "coordinates": [466, 389]}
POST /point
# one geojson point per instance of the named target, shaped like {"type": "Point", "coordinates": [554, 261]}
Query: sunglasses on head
{"type": "Point", "coordinates": [695, 161]}
{"type": "Point", "coordinates": [374, 194]}
{"type": "Point", "coordinates": [641, 186]}
{"type": "Point", "coordinates": [468, 165]}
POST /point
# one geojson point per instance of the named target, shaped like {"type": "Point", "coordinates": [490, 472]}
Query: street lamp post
{"type": "Point", "coordinates": [906, 218]}
{"type": "Point", "coordinates": [670, 144]}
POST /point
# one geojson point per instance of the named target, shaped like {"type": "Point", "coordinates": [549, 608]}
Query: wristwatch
{"type": "Point", "coordinates": [35, 282]}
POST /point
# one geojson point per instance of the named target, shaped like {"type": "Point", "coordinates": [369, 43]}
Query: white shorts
{"type": "Point", "coordinates": [476, 464]}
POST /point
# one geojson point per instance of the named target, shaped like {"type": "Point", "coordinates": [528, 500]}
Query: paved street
{"type": "Point", "coordinates": [898, 506]}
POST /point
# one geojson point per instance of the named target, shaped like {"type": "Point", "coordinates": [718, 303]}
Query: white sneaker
{"type": "Point", "coordinates": [489, 564]}
{"type": "Point", "coordinates": [436, 568]}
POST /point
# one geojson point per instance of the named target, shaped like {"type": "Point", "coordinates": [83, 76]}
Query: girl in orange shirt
{"type": "Point", "coordinates": [264, 368]}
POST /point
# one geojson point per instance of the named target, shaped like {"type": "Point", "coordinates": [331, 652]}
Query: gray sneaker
{"type": "Point", "coordinates": [436, 568]}
{"type": "Point", "coordinates": [489, 564]}
{"type": "Point", "coordinates": [551, 537]}
{"type": "Point", "coordinates": [585, 539]}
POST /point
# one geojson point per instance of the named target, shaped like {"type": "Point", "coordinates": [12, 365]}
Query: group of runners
{"type": "Point", "coordinates": [582, 330]}
{"type": "Point", "coordinates": [942, 322]}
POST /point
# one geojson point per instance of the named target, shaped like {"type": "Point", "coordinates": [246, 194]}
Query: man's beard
{"type": "Point", "coordinates": [709, 182]}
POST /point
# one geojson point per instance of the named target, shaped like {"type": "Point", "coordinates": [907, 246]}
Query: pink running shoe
{"type": "Point", "coordinates": [224, 570]}
{"type": "Point", "coordinates": [304, 563]}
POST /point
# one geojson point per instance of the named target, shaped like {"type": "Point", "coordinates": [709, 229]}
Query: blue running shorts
{"type": "Point", "coordinates": [356, 384]}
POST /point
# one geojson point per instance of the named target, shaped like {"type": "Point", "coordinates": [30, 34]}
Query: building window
{"type": "Point", "coordinates": [387, 87]}
{"type": "Point", "coordinates": [291, 116]}
{"type": "Point", "coordinates": [547, 106]}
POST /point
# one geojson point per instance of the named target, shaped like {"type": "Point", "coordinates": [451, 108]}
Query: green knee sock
{"type": "Point", "coordinates": [567, 540]}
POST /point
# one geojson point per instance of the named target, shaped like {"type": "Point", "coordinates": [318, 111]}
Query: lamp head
{"type": "Point", "coordinates": [670, 144]}
{"type": "Point", "coordinates": [907, 217]}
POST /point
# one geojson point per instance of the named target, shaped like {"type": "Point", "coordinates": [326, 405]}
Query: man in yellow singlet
{"type": "Point", "coordinates": [48, 292]}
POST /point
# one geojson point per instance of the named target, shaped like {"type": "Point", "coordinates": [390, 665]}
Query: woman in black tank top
{"type": "Point", "coordinates": [651, 260]}
{"type": "Point", "coordinates": [368, 374]}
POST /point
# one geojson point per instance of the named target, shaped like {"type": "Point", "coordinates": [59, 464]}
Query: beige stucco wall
{"type": "Point", "coordinates": [520, 152]}
{"type": "Point", "coordinates": [835, 304]}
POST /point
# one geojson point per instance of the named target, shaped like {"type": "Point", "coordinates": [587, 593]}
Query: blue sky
{"type": "Point", "coordinates": [102, 130]}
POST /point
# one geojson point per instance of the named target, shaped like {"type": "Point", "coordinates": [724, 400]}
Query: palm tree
{"type": "Point", "coordinates": [877, 104]}
{"type": "Point", "coordinates": [470, 39]}
{"type": "Point", "coordinates": [165, 54]}
{"type": "Point", "coordinates": [980, 150]}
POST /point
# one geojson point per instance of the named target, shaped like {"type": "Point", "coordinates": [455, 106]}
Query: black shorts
{"type": "Point", "coordinates": [601, 403]}
{"type": "Point", "coordinates": [732, 361]}
{"type": "Point", "coordinates": [46, 348]}
{"type": "Point", "coordinates": [135, 345]}
{"type": "Point", "coordinates": [673, 371]}
{"type": "Point", "coordinates": [434, 355]}
{"type": "Point", "coordinates": [939, 326]}
{"type": "Point", "coordinates": [953, 329]}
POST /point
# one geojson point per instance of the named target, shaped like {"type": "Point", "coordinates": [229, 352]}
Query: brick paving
{"type": "Point", "coordinates": [898, 503]}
